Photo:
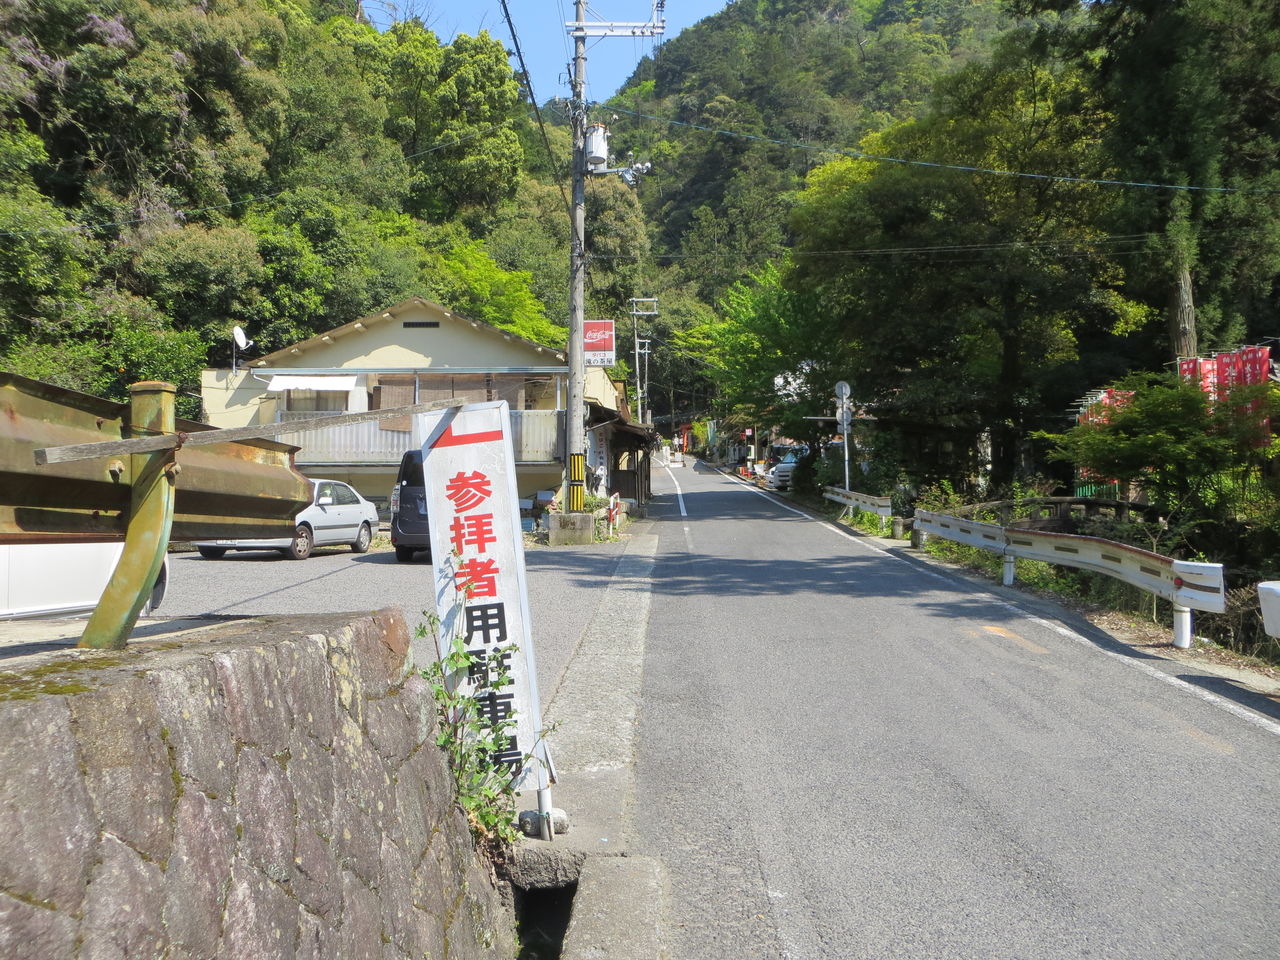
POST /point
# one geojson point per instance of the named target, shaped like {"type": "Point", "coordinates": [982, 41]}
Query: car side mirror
{"type": "Point", "coordinates": [324, 502]}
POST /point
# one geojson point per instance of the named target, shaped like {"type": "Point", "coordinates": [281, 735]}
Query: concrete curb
{"type": "Point", "coordinates": [617, 911]}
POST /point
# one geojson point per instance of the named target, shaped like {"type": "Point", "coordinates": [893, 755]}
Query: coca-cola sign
{"type": "Point", "coordinates": [598, 343]}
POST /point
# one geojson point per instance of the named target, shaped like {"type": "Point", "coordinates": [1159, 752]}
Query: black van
{"type": "Point", "coordinates": [409, 531]}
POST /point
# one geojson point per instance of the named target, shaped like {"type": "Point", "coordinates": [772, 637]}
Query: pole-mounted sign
{"type": "Point", "coordinates": [600, 348]}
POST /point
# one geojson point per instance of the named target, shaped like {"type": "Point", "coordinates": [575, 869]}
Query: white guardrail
{"type": "Point", "coordinates": [881, 506]}
{"type": "Point", "coordinates": [1187, 585]}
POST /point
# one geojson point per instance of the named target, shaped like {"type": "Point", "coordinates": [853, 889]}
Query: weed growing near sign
{"type": "Point", "coordinates": [486, 790]}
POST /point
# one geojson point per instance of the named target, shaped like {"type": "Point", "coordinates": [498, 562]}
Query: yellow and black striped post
{"type": "Point", "coordinates": [577, 483]}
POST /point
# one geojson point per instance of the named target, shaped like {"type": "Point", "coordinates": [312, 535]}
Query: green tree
{"type": "Point", "coordinates": [1193, 86]}
{"type": "Point", "coordinates": [968, 294]}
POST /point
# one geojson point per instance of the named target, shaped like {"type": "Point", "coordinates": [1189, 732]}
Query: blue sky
{"type": "Point", "coordinates": [540, 28]}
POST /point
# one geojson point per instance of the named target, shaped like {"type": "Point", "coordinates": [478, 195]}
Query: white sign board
{"type": "Point", "coordinates": [480, 588]}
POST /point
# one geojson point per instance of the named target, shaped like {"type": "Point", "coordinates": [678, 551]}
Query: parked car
{"type": "Point", "coordinates": [778, 476]}
{"type": "Point", "coordinates": [44, 580]}
{"type": "Point", "coordinates": [409, 530]}
{"type": "Point", "coordinates": [337, 514]}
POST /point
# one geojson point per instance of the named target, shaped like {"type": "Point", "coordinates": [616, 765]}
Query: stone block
{"type": "Point", "coordinates": [357, 839]}
{"type": "Point", "coordinates": [434, 890]}
{"type": "Point", "coordinates": [392, 732]}
{"type": "Point", "coordinates": [37, 751]}
{"type": "Point", "coordinates": [316, 875]}
{"type": "Point", "coordinates": [571, 529]}
{"type": "Point", "coordinates": [395, 893]}
{"type": "Point", "coordinates": [204, 847]}
{"type": "Point", "coordinates": [310, 773]}
{"type": "Point", "coordinates": [265, 808]}
{"type": "Point", "coordinates": [308, 686]}
{"type": "Point", "coordinates": [380, 644]}
{"type": "Point", "coordinates": [122, 916]}
{"type": "Point", "coordinates": [194, 724]}
{"type": "Point", "coordinates": [360, 937]}
{"type": "Point", "coordinates": [348, 683]}
{"type": "Point", "coordinates": [253, 689]}
{"type": "Point", "coordinates": [361, 773]}
{"type": "Point", "coordinates": [28, 932]}
{"type": "Point", "coordinates": [126, 764]}
{"type": "Point", "coordinates": [260, 920]}
{"type": "Point", "coordinates": [419, 705]}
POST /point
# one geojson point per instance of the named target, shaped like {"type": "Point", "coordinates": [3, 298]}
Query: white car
{"type": "Point", "coordinates": [337, 515]}
{"type": "Point", "coordinates": [779, 475]}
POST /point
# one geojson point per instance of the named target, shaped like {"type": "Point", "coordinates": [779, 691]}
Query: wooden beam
{"type": "Point", "coordinates": [265, 431]}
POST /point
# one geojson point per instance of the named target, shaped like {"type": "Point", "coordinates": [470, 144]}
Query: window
{"type": "Point", "coordinates": [344, 495]}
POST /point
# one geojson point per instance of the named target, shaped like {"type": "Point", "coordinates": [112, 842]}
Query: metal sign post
{"type": "Point", "coordinates": [844, 416]}
{"type": "Point", "coordinates": [480, 586]}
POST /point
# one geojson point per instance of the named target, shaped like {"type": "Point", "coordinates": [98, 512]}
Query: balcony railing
{"type": "Point", "coordinates": [537, 436]}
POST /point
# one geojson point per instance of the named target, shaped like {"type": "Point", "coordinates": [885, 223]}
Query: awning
{"type": "Point", "coordinates": [280, 383]}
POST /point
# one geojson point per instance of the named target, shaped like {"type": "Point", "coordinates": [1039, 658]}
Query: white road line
{"type": "Point", "coordinates": [1221, 703]}
{"type": "Point", "coordinates": [679, 492]}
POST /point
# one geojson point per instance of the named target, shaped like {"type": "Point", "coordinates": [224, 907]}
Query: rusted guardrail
{"type": "Point", "coordinates": [1040, 511]}
{"type": "Point", "coordinates": [1187, 585]}
{"type": "Point", "coordinates": [75, 468]}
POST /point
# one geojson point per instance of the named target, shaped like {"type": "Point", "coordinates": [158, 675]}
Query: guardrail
{"type": "Point", "coordinates": [880, 506]}
{"type": "Point", "coordinates": [1186, 584]}
{"type": "Point", "coordinates": [76, 466]}
{"type": "Point", "coordinates": [1269, 601]}
{"type": "Point", "coordinates": [1042, 510]}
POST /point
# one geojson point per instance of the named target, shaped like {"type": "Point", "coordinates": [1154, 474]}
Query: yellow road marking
{"type": "Point", "coordinates": [1010, 635]}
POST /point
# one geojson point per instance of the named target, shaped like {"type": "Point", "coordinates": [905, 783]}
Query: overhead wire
{"type": "Point", "coordinates": [964, 168]}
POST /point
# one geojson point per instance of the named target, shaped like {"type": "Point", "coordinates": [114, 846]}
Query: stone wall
{"type": "Point", "coordinates": [253, 790]}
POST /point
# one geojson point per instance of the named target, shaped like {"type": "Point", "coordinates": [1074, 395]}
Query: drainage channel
{"type": "Point", "coordinates": [542, 919]}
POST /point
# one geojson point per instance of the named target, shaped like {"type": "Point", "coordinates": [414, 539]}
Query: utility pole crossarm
{"type": "Point", "coordinates": [615, 29]}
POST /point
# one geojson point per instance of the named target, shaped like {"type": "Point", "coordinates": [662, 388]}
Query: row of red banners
{"type": "Point", "coordinates": [1219, 373]}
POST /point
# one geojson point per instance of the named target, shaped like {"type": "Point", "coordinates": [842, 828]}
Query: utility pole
{"type": "Point", "coordinates": [576, 428]}
{"type": "Point", "coordinates": [641, 307]}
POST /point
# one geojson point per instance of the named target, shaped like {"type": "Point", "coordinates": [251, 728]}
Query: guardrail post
{"type": "Point", "coordinates": [1010, 569]}
{"type": "Point", "coordinates": [150, 520]}
{"type": "Point", "coordinates": [1181, 626]}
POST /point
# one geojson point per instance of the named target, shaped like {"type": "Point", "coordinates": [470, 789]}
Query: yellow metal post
{"type": "Point", "coordinates": [577, 483]}
{"type": "Point", "coordinates": [151, 411]}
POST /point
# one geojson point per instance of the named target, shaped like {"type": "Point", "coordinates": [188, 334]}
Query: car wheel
{"type": "Point", "coordinates": [363, 539]}
{"type": "Point", "coordinates": [300, 549]}
{"type": "Point", "coordinates": [404, 554]}
{"type": "Point", "coordinates": [212, 553]}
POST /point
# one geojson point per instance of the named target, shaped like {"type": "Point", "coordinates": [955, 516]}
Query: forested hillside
{"type": "Point", "coordinates": [974, 211]}
{"type": "Point", "coordinates": [173, 169]}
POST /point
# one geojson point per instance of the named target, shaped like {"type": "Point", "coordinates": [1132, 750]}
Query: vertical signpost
{"type": "Point", "coordinates": [844, 416]}
{"type": "Point", "coordinates": [480, 587]}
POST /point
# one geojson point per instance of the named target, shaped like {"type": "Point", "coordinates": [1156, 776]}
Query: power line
{"type": "Point", "coordinates": [859, 155]}
{"type": "Point", "coordinates": [546, 141]}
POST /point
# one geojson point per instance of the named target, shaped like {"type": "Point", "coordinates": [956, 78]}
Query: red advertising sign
{"type": "Point", "coordinates": [598, 343]}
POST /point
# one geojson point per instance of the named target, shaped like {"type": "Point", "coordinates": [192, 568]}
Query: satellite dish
{"type": "Point", "coordinates": [242, 341]}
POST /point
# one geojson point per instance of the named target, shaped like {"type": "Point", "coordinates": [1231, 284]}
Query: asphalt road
{"type": "Point", "coordinates": [843, 753]}
{"type": "Point", "coordinates": [563, 591]}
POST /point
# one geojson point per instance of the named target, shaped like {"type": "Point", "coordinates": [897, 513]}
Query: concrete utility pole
{"type": "Point", "coordinates": [641, 307]}
{"type": "Point", "coordinates": [576, 428]}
